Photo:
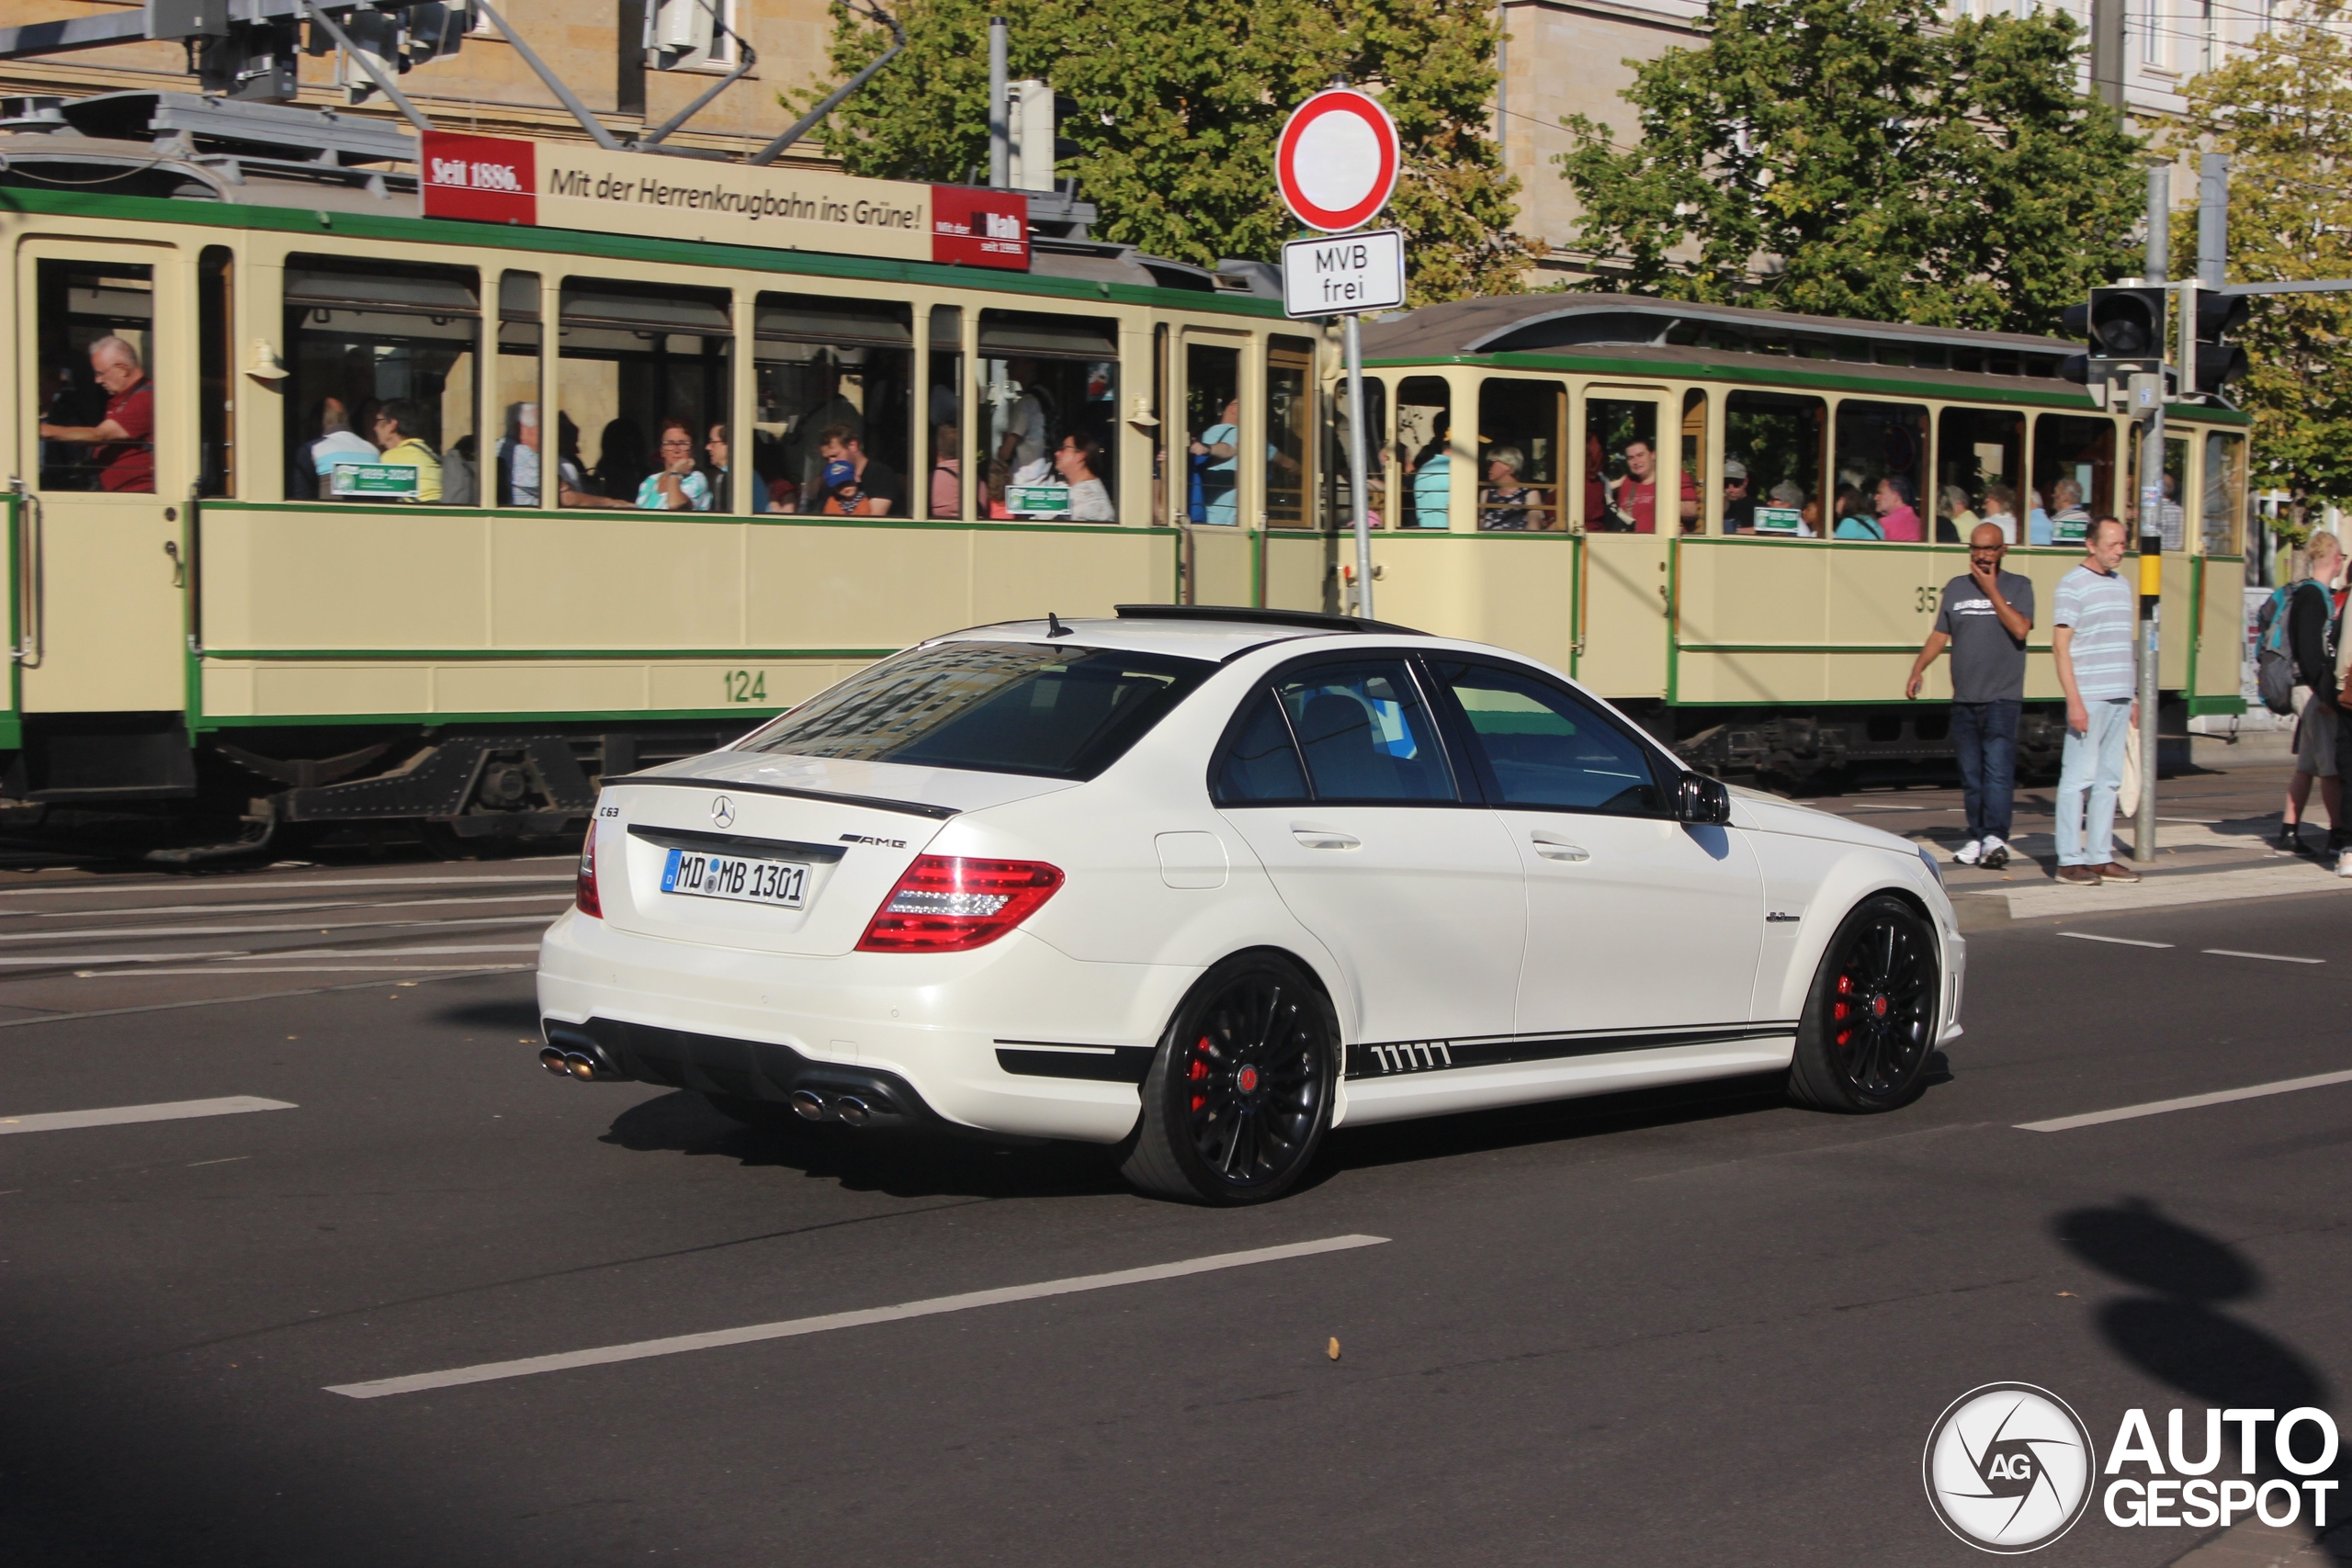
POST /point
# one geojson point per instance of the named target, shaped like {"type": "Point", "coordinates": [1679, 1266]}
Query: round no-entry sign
{"type": "Point", "coordinates": [1336, 159]}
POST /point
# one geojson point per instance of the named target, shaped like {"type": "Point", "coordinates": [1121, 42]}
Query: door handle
{"type": "Point", "coordinates": [1315, 838]}
{"type": "Point", "coordinates": [1551, 848]}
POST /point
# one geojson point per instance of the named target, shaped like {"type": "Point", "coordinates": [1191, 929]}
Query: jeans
{"type": "Point", "coordinates": [2093, 763]}
{"type": "Point", "coordinates": [1984, 736]}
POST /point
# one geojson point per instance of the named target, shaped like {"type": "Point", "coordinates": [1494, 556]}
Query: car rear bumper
{"type": "Point", "coordinates": [1014, 1038]}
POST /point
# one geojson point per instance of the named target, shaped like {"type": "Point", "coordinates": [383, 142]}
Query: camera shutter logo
{"type": "Point", "coordinates": [722, 812]}
{"type": "Point", "coordinates": [2008, 1467]}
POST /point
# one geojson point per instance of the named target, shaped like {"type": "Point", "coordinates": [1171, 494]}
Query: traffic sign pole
{"type": "Point", "coordinates": [1358, 496]}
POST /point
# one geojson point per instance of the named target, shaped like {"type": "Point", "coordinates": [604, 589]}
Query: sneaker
{"type": "Point", "coordinates": [2290, 840]}
{"type": "Point", "coordinates": [2116, 871]}
{"type": "Point", "coordinates": [2083, 875]}
{"type": "Point", "coordinates": [2344, 863]}
{"type": "Point", "coordinates": [1996, 855]}
{"type": "Point", "coordinates": [1967, 854]}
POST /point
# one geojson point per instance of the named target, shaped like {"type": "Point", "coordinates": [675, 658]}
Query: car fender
{"type": "Point", "coordinates": [1851, 875]}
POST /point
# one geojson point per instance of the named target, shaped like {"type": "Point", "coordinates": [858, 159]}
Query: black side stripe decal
{"type": "Point", "coordinates": [1051, 1059]}
{"type": "Point", "coordinates": [1392, 1058]}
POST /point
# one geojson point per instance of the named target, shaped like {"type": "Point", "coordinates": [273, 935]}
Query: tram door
{"type": "Point", "coordinates": [1221, 535]}
{"type": "Point", "coordinates": [1633, 498]}
{"type": "Point", "coordinates": [108, 403]}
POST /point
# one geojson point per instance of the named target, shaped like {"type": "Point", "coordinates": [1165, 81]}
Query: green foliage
{"type": "Point", "coordinates": [1856, 158]}
{"type": "Point", "coordinates": [1180, 103]}
{"type": "Point", "coordinates": [2283, 112]}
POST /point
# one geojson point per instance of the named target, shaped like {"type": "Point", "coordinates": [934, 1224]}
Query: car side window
{"type": "Point", "coordinates": [1365, 733]}
{"type": "Point", "coordinates": [1261, 765]}
{"type": "Point", "coordinates": [1544, 746]}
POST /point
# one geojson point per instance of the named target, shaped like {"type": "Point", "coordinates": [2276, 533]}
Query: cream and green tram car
{"type": "Point", "coordinates": [217, 610]}
{"type": "Point", "coordinates": [1671, 520]}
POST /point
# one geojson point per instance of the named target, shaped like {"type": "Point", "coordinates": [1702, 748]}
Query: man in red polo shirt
{"type": "Point", "coordinates": [122, 443]}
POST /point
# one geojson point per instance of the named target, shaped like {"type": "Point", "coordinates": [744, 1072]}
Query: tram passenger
{"type": "Point", "coordinates": [399, 426]}
{"type": "Point", "coordinates": [515, 460]}
{"type": "Point", "coordinates": [2072, 519]}
{"type": "Point", "coordinates": [2038, 524]}
{"type": "Point", "coordinates": [337, 442]}
{"type": "Point", "coordinates": [947, 470]}
{"type": "Point", "coordinates": [1739, 505]}
{"type": "Point", "coordinates": [1898, 517]}
{"type": "Point", "coordinates": [1955, 519]}
{"type": "Point", "coordinates": [1089, 498]}
{"type": "Point", "coordinates": [1633, 498]}
{"type": "Point", "coordinates": [1023, 445]}
{"type": "Point", "coordinates": [621, 466]}
{"type": "Point", "coordinates": [574, 487]}
{"type": "Point", "coordinates": [1432, 474]}
{"type": "Point", "coordinates": [1217, 462]}
{"type": "Point", "coordinates": [2000, 510]}
{"type": "Point", "coordinates": [677, 485]}
{"type": "Point", "coordinates": [855, 485]}
{"type": "Point", "coordinates": [1789, 495]}
{"type": "Point", "coordinates": [122, 443]}
{"type": "Point", "coordinates": [719, 451]}
{"type": "Point", "coordinates": [1509, 502]}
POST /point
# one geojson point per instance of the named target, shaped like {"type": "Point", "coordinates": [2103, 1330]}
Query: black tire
{"type": "Point", "coordinates": [1239, 1096]}
{"type": "Point", "coordinates": [1872, 1018]}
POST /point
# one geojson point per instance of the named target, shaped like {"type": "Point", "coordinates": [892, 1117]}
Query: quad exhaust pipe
{"type": "Point", "coordinates": [850, 1110]}
{"type": "Point", "coordinates": [566, 1064]}
{"type": "Point", "coordinates": [846, 1108]}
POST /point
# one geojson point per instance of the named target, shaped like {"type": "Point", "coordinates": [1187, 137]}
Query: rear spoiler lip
{"type": "Point", "coordinates": [725, 786]}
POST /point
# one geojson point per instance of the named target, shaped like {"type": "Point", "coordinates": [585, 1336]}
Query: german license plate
{"type": "Point", "coordinates": [782, 883]}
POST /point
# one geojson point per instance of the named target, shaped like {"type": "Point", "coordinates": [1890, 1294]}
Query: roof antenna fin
{"type": "Point", "coordinates": [1054, 627]}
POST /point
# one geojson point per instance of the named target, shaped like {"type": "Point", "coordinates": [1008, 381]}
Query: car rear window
{"type": "Point", "coordinates": [999, 707]}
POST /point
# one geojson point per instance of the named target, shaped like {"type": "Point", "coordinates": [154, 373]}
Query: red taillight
{"type": "Point", "coordinates": [951, 903]}
{"type": "Point", "coordinates": [585, 894]}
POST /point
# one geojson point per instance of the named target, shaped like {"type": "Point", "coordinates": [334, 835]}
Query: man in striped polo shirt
{"type": "Point", "coordinates": [2092, 647]}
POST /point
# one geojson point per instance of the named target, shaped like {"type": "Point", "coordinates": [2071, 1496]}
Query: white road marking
{"type": "Point", "coordinates": [2273, 957]}
{"type": "Point", "coordinates": [2186, 1102]}
{"type": "Point", "coordinates": [51, 961]}
{"type": "Point", "coordinates": [119, 1115]}
{"type": "Point", "coordinates": [272, 930]}
{"type": "Point", "coordinates": [242, 909]}
{"type": "Point", "coordinates": [392, 883]}
{"type": "Point", "coordinates": [492, 1371]}
{"type": "Point", "coordinates": [2118, 940]}
{"type": "Point", "coordinates": [312, 969]}
{"type": "Point", "coordinates": [399, 951]}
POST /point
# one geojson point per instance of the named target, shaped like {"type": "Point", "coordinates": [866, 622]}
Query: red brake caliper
{"type": "Point", "coordinates": [1844, 1009]}
{"type": "Point", "coordinates": [1200, 1071]}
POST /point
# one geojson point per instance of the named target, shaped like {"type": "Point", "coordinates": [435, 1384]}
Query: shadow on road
{"type": "Point", "coordinates": [902, 1165]}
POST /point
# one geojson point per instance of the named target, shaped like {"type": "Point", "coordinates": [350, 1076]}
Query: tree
{"type": "Point", "coordinates": [1860, 158]}
{"type": "Point", "coordinates": [2283, 112]}
{"type": "Point", "coordinates": [1178, 105]}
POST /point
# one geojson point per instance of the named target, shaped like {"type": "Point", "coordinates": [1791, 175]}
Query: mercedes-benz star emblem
{"type": "Point", "coordinates": [722, 811]}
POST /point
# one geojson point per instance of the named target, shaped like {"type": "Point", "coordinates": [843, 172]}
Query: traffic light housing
{"type": "Point", "coordinates": [2218, 363]}
{"type": "Point", "coordinates": [2126, 322]}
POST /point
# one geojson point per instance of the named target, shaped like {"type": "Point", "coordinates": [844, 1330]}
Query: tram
{"type": "Point", "coordinates": [393, 547]}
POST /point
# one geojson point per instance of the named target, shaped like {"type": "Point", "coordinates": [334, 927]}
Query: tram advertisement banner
{"type": "Point", "coordinates": [563, 185]}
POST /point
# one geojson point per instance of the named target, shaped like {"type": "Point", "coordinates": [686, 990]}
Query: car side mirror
{"type": "Point", "coordinates": [1698, 798]}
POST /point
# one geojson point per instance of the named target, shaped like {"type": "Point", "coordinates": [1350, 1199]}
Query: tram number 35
{"type": "Point", "coordinates": [746, 685]}
{"type": "Point", "coordinates": [1924, 599]}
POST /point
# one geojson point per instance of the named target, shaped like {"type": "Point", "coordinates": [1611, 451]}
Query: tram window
{"type": "Point", "coordinates": [1424, 457]}
{"type": "Point", "coordinates": [836, 386]}
{"type": "Point", "coordinates": [630, 359]}
{"type": "Point", "coordinates": [2073, 477]}
{"type": "Point", "coordinates": [1622, 468]}
{"type": "Point", "coordinates": [97, 334]}
{"type": "Point", "coordinates": [1980, 461]}
{"type": "Point", "coordinates": [1339, 498]}
{"type": "Point", "coordinates": [1777, 438]}
{"type": "Point", "coordinates": [1694, 457]}
{"type": "Point", "coordinates": [944, 491]}
{"type": "Point", "coordinates": [216, 404]}
{"type": "Point", "coordinates": [1049, 415]}
{"type": "Point", "coordinates": [510, 476]}
{"type": "Point", "coordinates": [1213, 421]}
{"type": "Point", "coordinates": [2224, 497]}
{"type": "Point", "coordinates": [1881, 463]}
{"type": "Point", "coordinates": [1290, 408]}
{"type": "Point", "coordinates": [383, 379]}
{"type": "Point", "coordinates": [1522, 437]}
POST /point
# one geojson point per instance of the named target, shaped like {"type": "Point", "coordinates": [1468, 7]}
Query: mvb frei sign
{"type": "Point", "coordinates": [563, 185]}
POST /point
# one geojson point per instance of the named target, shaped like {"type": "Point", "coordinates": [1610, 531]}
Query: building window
{"type": "Point", "coordinates": [691, 35]}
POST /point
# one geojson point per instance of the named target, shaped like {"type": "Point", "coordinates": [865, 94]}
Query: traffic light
{"type": "Point", "coordinates": [2218, 363]}
{"type": "Point", "coordinates": [2125, 326]}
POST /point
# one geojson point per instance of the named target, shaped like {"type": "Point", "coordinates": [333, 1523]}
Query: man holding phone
{"type": "Point", "coordinates": [1984, 619]}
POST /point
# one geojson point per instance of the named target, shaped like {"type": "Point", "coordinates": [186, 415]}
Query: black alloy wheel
{"type": "Point", "coordinates": [1239, 1096]}
{"type": "Point", "coordinates": [1868, 1028]}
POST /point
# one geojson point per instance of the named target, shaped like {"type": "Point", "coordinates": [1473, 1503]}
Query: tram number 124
{"type": "Point", "coordinates": [746, 685]}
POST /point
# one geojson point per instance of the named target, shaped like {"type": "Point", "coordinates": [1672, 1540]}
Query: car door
{"type": "Point", "coordinates": [1335, 774]}
{"type": "Point", "coordinates": [1642, 930]}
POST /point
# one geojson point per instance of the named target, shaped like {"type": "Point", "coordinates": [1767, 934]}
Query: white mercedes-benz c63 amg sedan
{"type": "Point", "coordinates": [1203, 883]}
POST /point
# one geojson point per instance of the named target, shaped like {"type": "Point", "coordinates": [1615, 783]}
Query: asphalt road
{"type": "Point", "coordinates": [1702, 1327]}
